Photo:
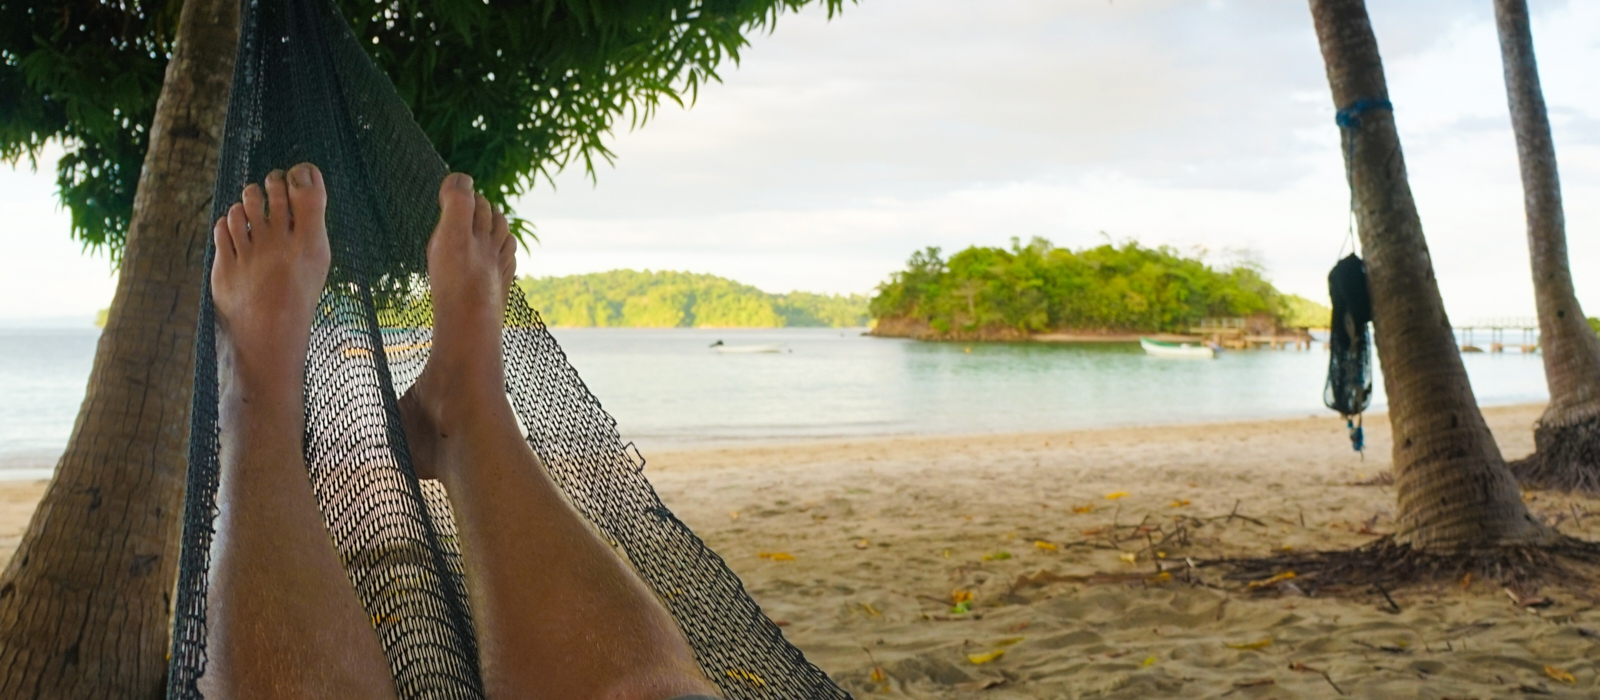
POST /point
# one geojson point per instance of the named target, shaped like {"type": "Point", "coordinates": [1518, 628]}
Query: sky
{"type": "Point", "coordinates": [838, 147]}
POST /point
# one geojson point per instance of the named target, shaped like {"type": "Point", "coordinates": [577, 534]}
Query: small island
{"type": "Point", "coordinates": [1038, 291]}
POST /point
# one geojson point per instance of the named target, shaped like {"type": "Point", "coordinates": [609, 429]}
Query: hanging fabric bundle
{"type": "Point", "coordinates": [1349, 387]}
{"type": "Point", "coordinates": [305, 90]}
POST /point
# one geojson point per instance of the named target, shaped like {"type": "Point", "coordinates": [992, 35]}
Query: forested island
{"type": "Point", "coordinates": [1004, 293]}
{"type": "Point", "coordinates": [664, 299]}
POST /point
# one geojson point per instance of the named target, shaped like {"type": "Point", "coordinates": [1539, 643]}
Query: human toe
{"type": "Point", "coordinates": [308, 198]}
{"type": "Point", "coordinates": [456, 199]}
{"type": "Point", "coordinates": [277, 203]}
{"type": "Point", "coordinates": [239, 225]}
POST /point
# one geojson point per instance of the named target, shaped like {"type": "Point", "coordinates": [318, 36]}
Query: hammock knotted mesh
{"type": "Point", "coordinates": [304, 90]}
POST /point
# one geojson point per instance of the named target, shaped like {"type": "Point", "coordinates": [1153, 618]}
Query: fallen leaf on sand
{"type": "Point", "coordinates": [960, 595]}
{"type": "Point", "coordinates": [997, 556]}
{"type": "Point", "coordinates": [1259, 644]}
{"type": "Point", "coordinates": [878, 676]}
{"type": "Point", "coordinates": [1009, 641]}
{"type": "Point", "coordinates": [1271, 581]}
{"type": "Point", "coordinates": [733, 514]}
{"type": "Point", "coordinates": [1048, 546]}
{"type": "Point", "coordinates": [776, 556]}
{"type": "Point", "coordinates": [1083, 509]}
{"type": "Point", "coordinates": [984, 684]}
{"type": "Point", "coordinates": [986, 657]}
{"type": "Point", "coordinates": [1091, 532]}
{"type": "Point", "coordinates": [1559, 675]}
{"type": "Point", "coordinates": [863, 544]}
{"type": "Point", "coordinates": [1162, 577]}
{"type": "Point", "coordinates": [1114, 495]}
{"type": "Point", "coordinates": [1128, 557]}
{"type": "Point", "coordinates": [1179, 503]}
{"type": "Point", "coordinates": [1466, 580]}
{"type": "Point", "coordinates": [1150, 660]}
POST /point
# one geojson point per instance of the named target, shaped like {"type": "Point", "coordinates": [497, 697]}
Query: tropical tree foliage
{"type": "Point", "coordinates": [1039, 287]}
{"type": "Point", "coordinates": [682, 300]}
{"type": "Point", "coordinates": [507, 90]}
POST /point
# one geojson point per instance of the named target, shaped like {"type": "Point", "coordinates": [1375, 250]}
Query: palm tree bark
{"type": "Point", "coordinates": [1455, 491]}
{"type": "Point", "coordinates": [1567, 438]}
{"type": "Point", "coordinates": [85, 600]}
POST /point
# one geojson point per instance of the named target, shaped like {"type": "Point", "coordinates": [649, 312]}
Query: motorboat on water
{"type": "Point", "coordinates": [1177, 351]}
{"type": "Point", "coordinates": [726, 349]}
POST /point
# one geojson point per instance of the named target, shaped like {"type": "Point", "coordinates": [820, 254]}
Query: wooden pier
{"type": "Point", "coordinates": [1250, 333]}
{"type": "Point", "coordinates": [1526, 330]}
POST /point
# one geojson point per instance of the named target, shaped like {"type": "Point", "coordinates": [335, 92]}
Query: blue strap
{"type": "Point", "coordinates": [1350, 117]}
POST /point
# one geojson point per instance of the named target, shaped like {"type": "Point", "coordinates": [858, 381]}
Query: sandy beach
{"type": "Point", "coordinates": [861, 549]}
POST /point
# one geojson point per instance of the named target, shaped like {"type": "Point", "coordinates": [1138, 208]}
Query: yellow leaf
{"type": "Point", "coordinates": [1041, 544]}
{"type": "Point", "coordinates": [947, 554]}
{"type": "Point", "coordinates": [1559, 674]}
{"type": "Point", "coordinates": [960, 595]}
{"type": "Point", "coordinates": [1150, 660]}
{"type": "Point", "coordinates": [863, 544]}
{"type": "Point", "coordinates": [1083, 509]}
{"type": "Point", "coordinates": [1128, 557]}
{"type": "Point", "coordinates": [1179, 503]}
{"type": "Point", "coordinates": [986, 657]}
{"type": "Point", "coordinates": [1162, 577]}
{"type": "Point", "coordinates": [776, 556]}
{"type": "Point", "coordinates": [997, 556]}
{"type": "Point", "coordinates": [878, 676]}
{"type": "Point", "coordinates": [1262, 644]}
{"type": "Point", "coordinates": [1114, 495]}
{"type": "Point", "coordinates": [733, 514]}
{"type": "Point", "coordinates": [1270, 581]}
{"type": "Point", "coordinates": [868, 609]}
{"type": "Point", "coordinates": [1009, 641]}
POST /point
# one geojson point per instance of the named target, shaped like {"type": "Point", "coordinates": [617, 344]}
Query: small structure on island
{"type": "Point", "coordinates": [1249, 332]}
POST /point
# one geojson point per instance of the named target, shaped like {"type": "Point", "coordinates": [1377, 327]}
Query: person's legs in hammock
{"type": "Point", "coordinates": [558, 614]}
{"type": "Point", "coordinates": [284, 619]}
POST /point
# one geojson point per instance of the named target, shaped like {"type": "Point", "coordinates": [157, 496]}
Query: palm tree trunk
{"type": "Point", "coordinates": [1568, 434]}
{"type": "Point", "coordinates": [1454, 488]}
{"type": "Point", "coordinates": [85, 600]}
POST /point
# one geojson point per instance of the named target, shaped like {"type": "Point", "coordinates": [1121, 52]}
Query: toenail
{"type": "Point", "coordinates": [463, 181]}
{"type": "Point", "coordinates": [300, 176]}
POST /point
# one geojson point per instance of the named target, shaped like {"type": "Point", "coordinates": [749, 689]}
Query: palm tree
{"type": "Point", "coordinates": [1567, 437]}
{"type": "Point", "coordinates": [85, 601]}
{"type": "Point", "coordinates": [1455, 490]}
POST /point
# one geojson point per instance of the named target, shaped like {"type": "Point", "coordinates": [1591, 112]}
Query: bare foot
{"type": "Point", "coordinates": [272, 262]}
{"type": "Point", "coordinates": [471, 265]}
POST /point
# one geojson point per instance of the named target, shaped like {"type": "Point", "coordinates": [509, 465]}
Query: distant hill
{"type": "Point", "coordinates": [633, 299]}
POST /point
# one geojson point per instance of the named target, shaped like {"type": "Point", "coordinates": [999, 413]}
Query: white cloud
{"type": "Point", "coordinates": [840, 147]}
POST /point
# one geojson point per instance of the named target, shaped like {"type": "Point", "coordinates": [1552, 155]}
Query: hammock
{"type": "Point", "coordinates": [304, 90]}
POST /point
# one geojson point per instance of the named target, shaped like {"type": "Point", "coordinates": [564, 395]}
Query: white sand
{"type": "Point", "coordinates": [882, 531]}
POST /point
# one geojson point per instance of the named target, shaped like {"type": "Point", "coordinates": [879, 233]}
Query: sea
{"type": "Point", "coordinates": [670, 389]}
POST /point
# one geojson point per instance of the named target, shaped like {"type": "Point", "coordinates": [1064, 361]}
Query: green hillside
{"type": "Point", "coordinates": [1000, 292]}
{"type": "Point", "coordinates": [633, 299]}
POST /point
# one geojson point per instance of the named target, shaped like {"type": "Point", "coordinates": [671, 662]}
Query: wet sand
{"type": "Point", "coordinates": [885, 534]}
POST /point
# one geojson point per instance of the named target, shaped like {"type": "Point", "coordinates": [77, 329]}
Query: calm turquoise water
{"type": "Point", "coordinates": [668, 389]}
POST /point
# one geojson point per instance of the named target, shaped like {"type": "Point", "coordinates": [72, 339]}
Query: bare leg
{"type": "Point", "coordinates": [558, 613]}
{"type": "Point", "coordinates": [285, 622]}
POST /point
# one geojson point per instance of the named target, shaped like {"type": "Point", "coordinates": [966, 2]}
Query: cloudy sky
{"type": "Point", "coordinates": [838, 147]}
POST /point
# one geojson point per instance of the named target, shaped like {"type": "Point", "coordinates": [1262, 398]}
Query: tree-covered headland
{"type": "Point", "coordinates": [664, 299]}
{"type": "Point", "coordinates": [989, 292]}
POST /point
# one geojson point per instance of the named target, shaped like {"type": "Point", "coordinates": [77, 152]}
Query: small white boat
{"type": "Point", "coordinates": [1181, 351]}
{"type": "Point", "coordinates": [719, 346]}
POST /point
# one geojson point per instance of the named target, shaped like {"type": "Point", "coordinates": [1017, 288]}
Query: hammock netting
{"type": "Point", "coordinates": [304, 90]}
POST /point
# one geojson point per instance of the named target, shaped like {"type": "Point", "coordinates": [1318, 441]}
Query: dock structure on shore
{"type": "Point", "coordinates": [1251, 332]}
{"type": "Point", "coordinates": [1526, 327]}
